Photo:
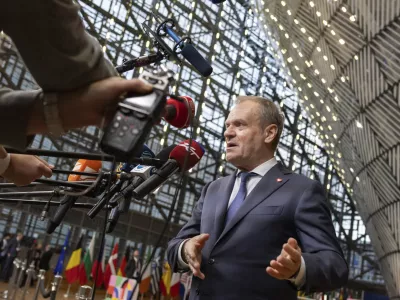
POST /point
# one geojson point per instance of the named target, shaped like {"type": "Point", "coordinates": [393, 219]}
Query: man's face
{"type": "Point", "coordinates": [136, 253]}
{"type": "Point", "coordinates": [245, 137]}
{"type": "Point", "coordinates": [19, 236]}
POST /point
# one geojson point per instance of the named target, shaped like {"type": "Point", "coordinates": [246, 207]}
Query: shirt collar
{"type": "Point", "coordinates": [262, 169]}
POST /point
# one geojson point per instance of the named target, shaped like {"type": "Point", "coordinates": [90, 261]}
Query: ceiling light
{"type": "Point", "coordinates": [325, 22]}
{"type": "Point", "coordinates": [316, 94]}
{"type": "Point", "coordinates": [323, 80]}
{"type": "Point", "coordinates": [344, 9]}
{"type": "Point", "coordinates": [336, 99]}
{"type": "Point", "coordinates": [333, 32]}
{"type": "Point", "coordinates": [332, 67]}
{"type": "Point", "coordinates": [297, 68]}
{"type": "Point", "coordinates": [300, 54]}
{"type": "Point", "coordinates": [316, 72]}
{"type": "Point", "coordinates": [294, 45]}
{"type": "Point", "coordinates": [309, 85]}
{"type": "Point", "coordinates": [283, 3]}
{"type": "Point", "coordinates": [295, 21]}
{"type": "Point", "coordinates": [303, 30]}
{"type": "Point", "coordinates": [325, 58]}
{"type": "Point", "coordinates": [290, 60]}
{"type": "Point", "coordinates": [342, 41]}
{"type": "Point", "coordinates": [310, 39]}
{"type": "Point", "coordinates": [343, 79]}
{"type": "Point", "coordinates": [286, 35]}
{"type": "Point", "coordinates": [289, 12]}
{"type": "Point", "coordinates": [312, 4]}
{"type": "Point", "coordinates": [322, 101]}
{"type": "Point", "coordinates": [318, 49]}
{"type": "Point", "coordinates": [353, 18]}
{"type": "Point", "coordinates": [318, 14]}
{"type": "Point", "coordinates": [359, 125]}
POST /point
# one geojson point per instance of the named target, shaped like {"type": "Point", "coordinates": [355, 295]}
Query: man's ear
{"type": "Point", "coordinates": [270, 133]}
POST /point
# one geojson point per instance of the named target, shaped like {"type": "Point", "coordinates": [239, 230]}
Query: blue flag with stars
{"type": "Point", "coordinates": [60, 263]}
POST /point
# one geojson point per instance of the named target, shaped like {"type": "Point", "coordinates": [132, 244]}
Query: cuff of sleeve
{"type": "Point", "coordinates": [300, 279]}
{"type": "Point", "coordinates": [4, 163]}
{"type": "Point", "coordinates": [181, 263]}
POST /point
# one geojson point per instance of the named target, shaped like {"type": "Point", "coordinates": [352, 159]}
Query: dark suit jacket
{"type": "Point", "coordinates": [12, 247]}
{"type": "Point", "coordinates": [234, 259]}
{"type": "Point", "coordinates": [131, 267]}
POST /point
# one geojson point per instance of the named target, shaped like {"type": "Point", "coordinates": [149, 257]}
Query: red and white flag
{"type": "Point", "coordinates": [112, 266]}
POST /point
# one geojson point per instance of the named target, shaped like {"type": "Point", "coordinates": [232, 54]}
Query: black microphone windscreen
{"type": "Point", "coordinates": [164, 153]}
{"type": "Point", "coordinates": [194, 57]}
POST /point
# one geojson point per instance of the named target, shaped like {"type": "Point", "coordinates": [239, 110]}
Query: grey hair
{"type": "Point", "coordinates": [270, 113]}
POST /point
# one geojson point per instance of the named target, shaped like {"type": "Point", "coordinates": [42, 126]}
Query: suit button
{"type": "Point", "coordinates": [211, 261]}
{"type": "Point", "coordinates": [197, 292]}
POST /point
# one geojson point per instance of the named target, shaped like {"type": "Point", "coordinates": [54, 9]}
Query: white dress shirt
{"type": "Point", "coordinates": [261, 170]}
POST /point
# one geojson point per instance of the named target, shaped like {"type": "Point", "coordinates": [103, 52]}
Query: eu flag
{"type": "Point", "coordinates": [60, 263]}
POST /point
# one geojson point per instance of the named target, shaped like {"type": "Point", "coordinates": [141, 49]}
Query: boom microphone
{"type": "Point", "coordinates": [187, 49]}
{"type": "Point", "coordinates": [179, 112]}
{"type": "Point", "coordinates": [178, 159]}
{"type": "Point", "coordinates": [82, 165]}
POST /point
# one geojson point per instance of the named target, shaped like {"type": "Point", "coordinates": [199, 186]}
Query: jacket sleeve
{"type": "Point", "coordinates": [189, 230]}
{"type": "Point", "coordinates": [52, 40]}
{"type": "Point", "coordinates": [15, 109]}
{"type": "Point", "coordinates": [326, 268]}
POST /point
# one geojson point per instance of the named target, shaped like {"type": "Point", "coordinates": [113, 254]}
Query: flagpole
{"type": "Point", "coordinates": [66, 295]}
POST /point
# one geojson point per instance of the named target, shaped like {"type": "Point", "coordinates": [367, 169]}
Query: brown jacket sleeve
{"type": "Point", "coordinates": [58, 52]}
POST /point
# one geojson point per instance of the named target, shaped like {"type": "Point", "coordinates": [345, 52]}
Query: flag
{"type": "Point", "coordinates": [186, 282]}
{"type": "Point", "coordinates": [155, 278]}
{"type": "Point", "coordinates": [175, 284]}
{"type": "Point", "coordinates": [112, 265]}
{"type": "Point", "coordinates": [100, 271]}
{"type": "Point", "coordinates": [60, 263]}
{"type": "Point", "coordinates": [72, 270]}
{"type": "Point", "coordinates": [121, 270]}
{"type": "Point", "coordinates": [146, 278]}
{"type": "Point", "coordinates": [86, 266]}
{"type": "Point", "coordinates": [165, 283]}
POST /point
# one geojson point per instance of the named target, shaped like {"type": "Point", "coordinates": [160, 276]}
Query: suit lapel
{"type": "Point", "coordinates": [223, 195]}
{"type": "Point", "coordinates": [271, 182]}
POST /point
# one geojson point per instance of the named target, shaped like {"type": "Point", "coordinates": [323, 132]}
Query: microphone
{"type": "Point", "coordinates": [82, 165]}
{"type": "Point", "coordinates": [125, 168]}
{"type": "Point", "coordinates": [146, 152]}
{"type": "Point", "coordinates": [141, 173]}
{"type": "Point", "coordinates": [140, 61]}
{"type": "Point", "coordinates": [188, 51]}
{"type": "Point", "coordinates": [179, 111]}
{"type": "Point", "coordinates": [176, 161]}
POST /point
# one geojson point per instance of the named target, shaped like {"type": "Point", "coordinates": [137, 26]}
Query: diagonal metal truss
{"type": "Point", "coordinates": [246, 61]}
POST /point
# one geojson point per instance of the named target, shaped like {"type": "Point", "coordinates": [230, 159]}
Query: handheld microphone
{"type": "Point", "coordinates": [179, 112]}
{"type": "Point", "coordinates": [176, 161]}
{"type": "Point", "coordinates": [82, 165]}
{"type": "Point", "coordinates": [187, 49]}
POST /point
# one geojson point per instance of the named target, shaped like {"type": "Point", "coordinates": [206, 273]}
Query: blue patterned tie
{"type": "Point", "coordinates": [240, 196]}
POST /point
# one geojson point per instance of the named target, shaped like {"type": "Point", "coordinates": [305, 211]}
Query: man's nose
{"type": "Point", "coordinates": [229, 133]}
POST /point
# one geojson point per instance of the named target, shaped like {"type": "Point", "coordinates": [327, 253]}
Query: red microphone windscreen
{"type": "Point", "coordinates": [184, 111]}
{"type": "Point", "coordinates": [179, 153]}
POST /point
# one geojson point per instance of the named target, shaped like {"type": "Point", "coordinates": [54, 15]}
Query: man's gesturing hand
{"type": "Point", "coordinates": [287, 263]}
{"type": "Point", "coordinates": [192, 253]}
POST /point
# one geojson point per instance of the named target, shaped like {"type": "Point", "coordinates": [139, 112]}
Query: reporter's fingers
{"type": "Point", "coordinates": [45, 162]}
{"type": "Point", "coordinates": [135, 85]}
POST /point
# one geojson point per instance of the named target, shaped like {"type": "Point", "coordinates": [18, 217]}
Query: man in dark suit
{"type": "Point", "coordinates": [12, 249]}
{"type": "Point", "coordinates": [263, 232]}
{"type": "Point", "coordinates": [133, 266]}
